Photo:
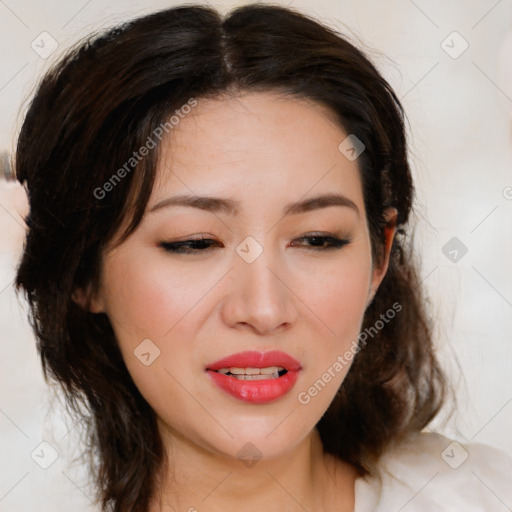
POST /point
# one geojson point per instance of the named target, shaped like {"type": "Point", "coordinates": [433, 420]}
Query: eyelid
{"type": "Point", "coordinates": [209, 236]}
{"type": "Point", "coordinates": [182, 246]}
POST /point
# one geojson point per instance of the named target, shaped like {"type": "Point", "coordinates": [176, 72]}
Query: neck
{"type": "Point", "coordinates": [303, 479]}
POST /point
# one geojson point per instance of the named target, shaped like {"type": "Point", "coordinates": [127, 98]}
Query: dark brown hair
{"type": "Point", "coordinates": [98, 105]}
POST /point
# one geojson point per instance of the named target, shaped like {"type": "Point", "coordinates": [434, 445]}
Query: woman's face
{"type": "Point", "coordinates": [259, 284]}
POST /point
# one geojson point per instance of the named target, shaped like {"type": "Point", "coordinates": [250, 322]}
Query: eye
{"type": "Point", "coordinates": [317, 242]}
{"type": "Point", "coordinates": [188, 246]}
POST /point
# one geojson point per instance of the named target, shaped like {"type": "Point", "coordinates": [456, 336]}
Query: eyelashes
{"type": "Point", "coordinates": [202, 245]}
{"type": "Point", "coordinates": [188, 246]}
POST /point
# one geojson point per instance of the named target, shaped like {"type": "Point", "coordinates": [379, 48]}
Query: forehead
{"type": "Point", "coordinates": [257, 146]}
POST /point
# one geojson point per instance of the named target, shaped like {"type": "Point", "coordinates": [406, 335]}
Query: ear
{"type": "Point", "coordinates": [390, 215]}
{"type": "Point", "coordinates": [86, 300]}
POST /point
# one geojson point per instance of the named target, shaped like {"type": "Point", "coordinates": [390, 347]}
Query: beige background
{"type": "Point", "coordinates": [460, 110]}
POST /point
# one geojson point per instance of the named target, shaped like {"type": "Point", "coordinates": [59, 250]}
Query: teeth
{"type": "Point", "coordinates": [237, 371]}
{"type": "Point", "coordinates": [271, 372]}
{"type": "Point", "coordinates": [261, 376]}
{"type": "Point", "coordinates": [271, 369]}
{"type": "Point", "coordinates": [251, 371]}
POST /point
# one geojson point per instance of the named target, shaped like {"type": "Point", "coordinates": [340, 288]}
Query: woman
{"type": "Point", "coordinates": [217, 268]}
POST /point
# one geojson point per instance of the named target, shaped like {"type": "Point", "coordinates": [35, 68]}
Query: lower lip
{"type": "Point", "coordinates": [255, 391]}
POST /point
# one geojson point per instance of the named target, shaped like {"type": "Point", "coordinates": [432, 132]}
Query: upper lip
{"type": "Point", "coordinates": [254, 359]}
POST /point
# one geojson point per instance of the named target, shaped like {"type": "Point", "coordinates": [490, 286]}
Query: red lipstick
{"type": "Point", "coordinates": [246, 384]}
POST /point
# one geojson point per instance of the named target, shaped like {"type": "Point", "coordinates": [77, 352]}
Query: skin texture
{"type": "Point", "coordinates": [264, 150]}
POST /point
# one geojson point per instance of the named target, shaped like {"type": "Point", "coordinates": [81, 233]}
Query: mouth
{"type": "Point", "coordinates": [255, 377]}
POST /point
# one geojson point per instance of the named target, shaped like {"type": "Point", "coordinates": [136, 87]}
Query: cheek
{"type": "Point", "coordinates": [339, 296]}
{"type": "Point", "coordinates": [339, 300]}
{"type": "Point", "coordinates": [144, 299]}
{"type": "Point", "coordinates": [147, 298]}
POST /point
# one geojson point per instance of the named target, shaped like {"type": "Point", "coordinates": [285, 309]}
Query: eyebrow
{"type": "Point", "coordinates": [232, 207]}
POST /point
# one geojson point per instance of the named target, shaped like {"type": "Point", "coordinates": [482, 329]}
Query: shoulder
{"type": "Point", "coordinates": [430, 472]}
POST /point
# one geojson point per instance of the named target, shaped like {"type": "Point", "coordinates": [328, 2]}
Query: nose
{"type": "Point", "coordinates": [259, 298]}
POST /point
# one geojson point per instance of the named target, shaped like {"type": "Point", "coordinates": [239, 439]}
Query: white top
{"type": "Point", "coordinates": [431, 473]}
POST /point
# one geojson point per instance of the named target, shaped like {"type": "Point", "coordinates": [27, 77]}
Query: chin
{"type": "Point", "coordinates": [264, 437]}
